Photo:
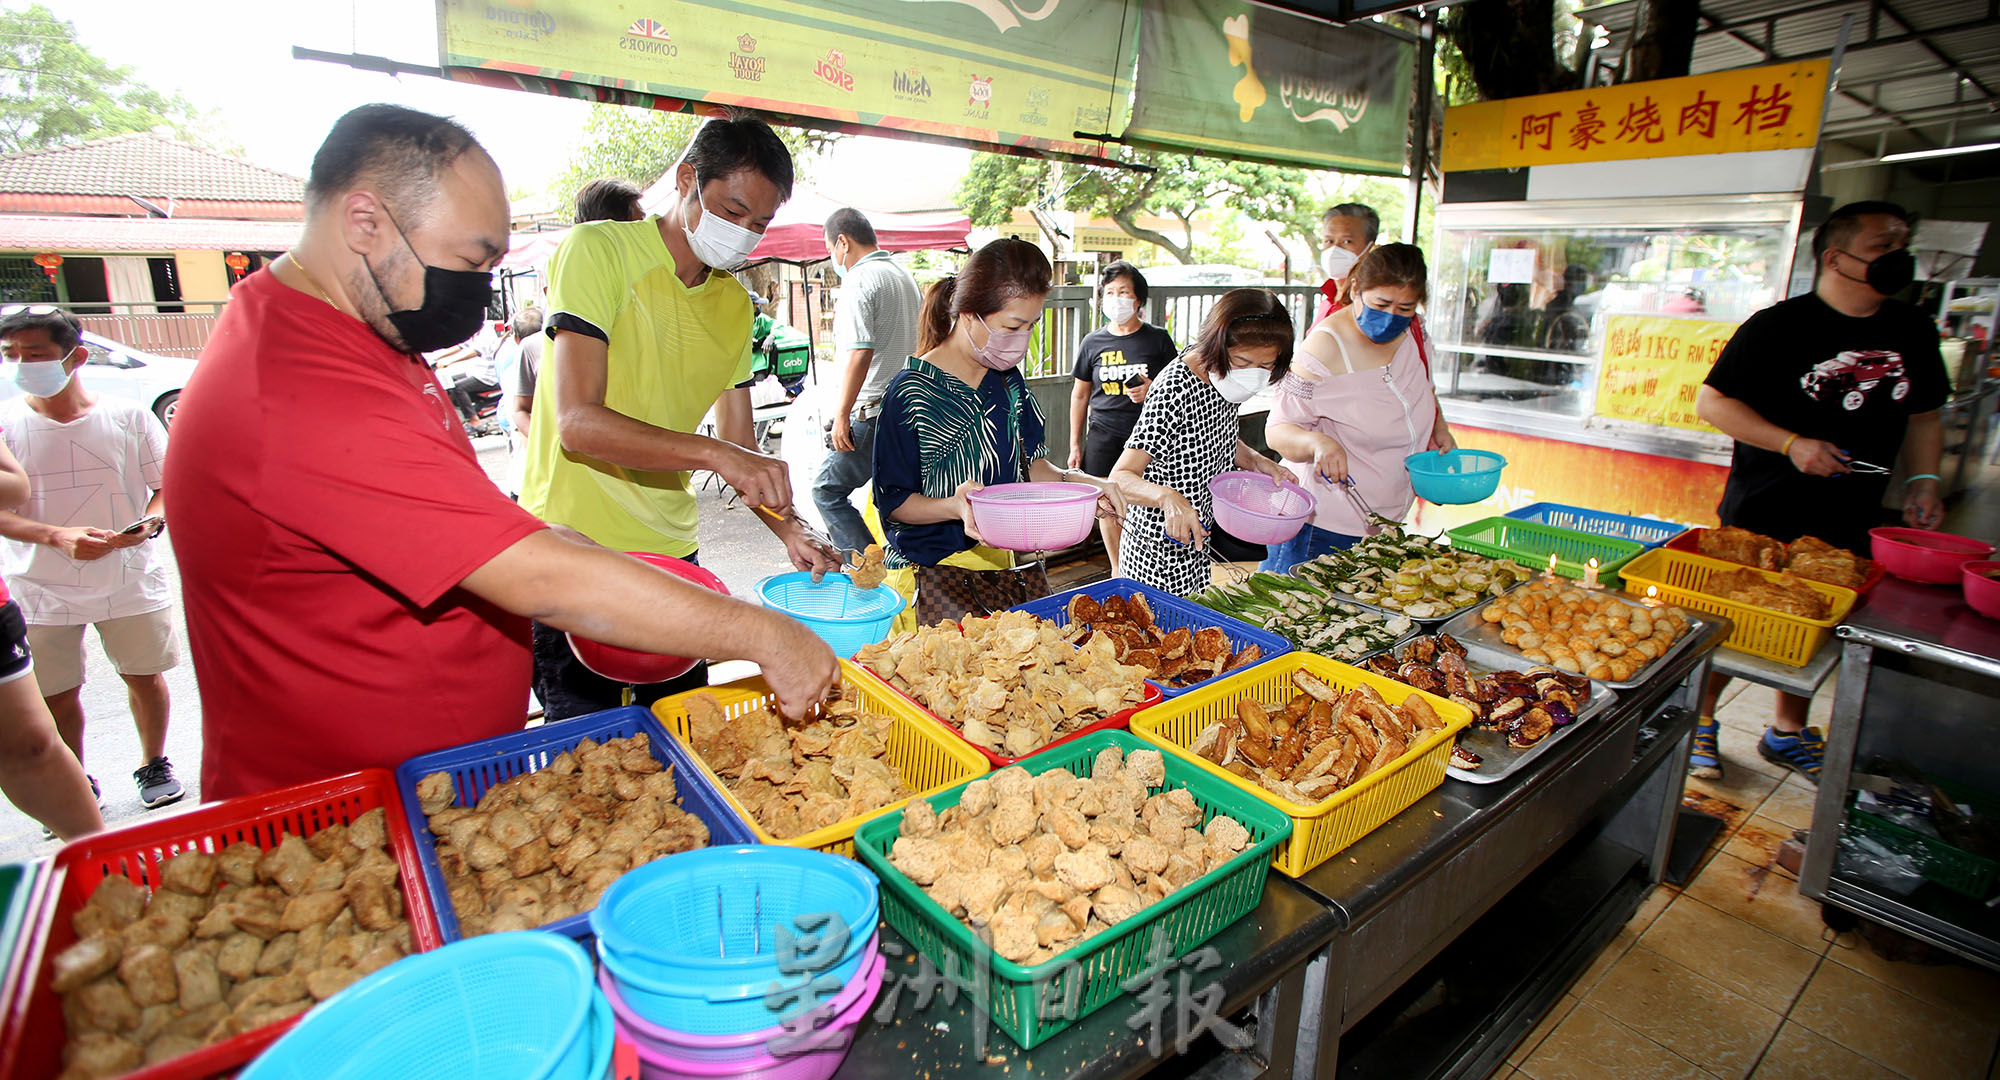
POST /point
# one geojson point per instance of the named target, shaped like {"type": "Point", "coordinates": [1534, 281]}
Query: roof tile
{"type": "Point", "coordinates": [147, 165]}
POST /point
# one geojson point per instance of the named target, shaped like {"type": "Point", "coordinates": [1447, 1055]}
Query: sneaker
{"type": "Point", "coordinates": [1800, 751]}
{"type": "Point", "coordinates": [157, 786]}
{"type": "Point", "coordinates": [1705, 763]}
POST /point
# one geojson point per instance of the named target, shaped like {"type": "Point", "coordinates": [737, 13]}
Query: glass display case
{"type": "Point", "coordinates": [1524, 293]}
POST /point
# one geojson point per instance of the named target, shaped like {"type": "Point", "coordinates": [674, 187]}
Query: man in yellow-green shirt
{"type": "Point", "coordinates": [648, 331]}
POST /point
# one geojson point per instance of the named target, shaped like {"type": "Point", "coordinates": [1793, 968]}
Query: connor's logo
{"type": "Point", "coordinates": [647, 36]}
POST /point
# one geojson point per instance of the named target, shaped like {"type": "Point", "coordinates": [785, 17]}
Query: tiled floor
{"type": "Point", "coordinates": [1736, 975]}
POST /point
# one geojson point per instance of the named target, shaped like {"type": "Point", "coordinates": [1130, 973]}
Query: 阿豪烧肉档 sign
{"type": "Point", "coordinates": [1766, 108]}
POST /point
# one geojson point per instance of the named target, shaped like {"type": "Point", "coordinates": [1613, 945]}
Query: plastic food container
{"type": "Point", "coordinates": [1034, 516]}
{"type": "Point", "coordinates": [845, 617]}
{"type": "Point", "coordinates": [511, 1004]}
{"type": "Point", "coordinates": [1982, 589]}
{"type": "Point", "coordinates": [1455, 476]}
{"type": "Point", "coordinates": [929, 756]}
{"type": "Point", "coordinates": [1031, 1004]}
{"type": "Point", "coordinates": [817, 1057]}
{"type": "Point", "coordinates": [1647, 531]}
{"type": "Point", "coordinates": [630, 665]}
{"type": "Point", "coordinates": [1251, 508]}
{"type": "Point", "coordinates": [477, 766]}
{"type": "Point", "coordinates": [1690, 542]}
{"type": "Point", "coordinates": [840, 1010]}
{"type": "Point", "coordinates": [34, 1033]}
{"type": "Point", "coordinates": [1170, 613]}
{"type": "Point", "coordinates": [1932, 558]}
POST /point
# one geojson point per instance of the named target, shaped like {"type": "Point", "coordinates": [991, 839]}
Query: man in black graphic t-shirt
{"type": "Point", "coordinates": [1841, 374]}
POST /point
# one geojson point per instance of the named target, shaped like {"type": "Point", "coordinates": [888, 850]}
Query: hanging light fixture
{"type": "Point", "coordinates": [50, 262]}
{"type": "Point", "coordinates": [237, 262]}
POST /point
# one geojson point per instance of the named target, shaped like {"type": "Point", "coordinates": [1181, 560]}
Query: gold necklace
{"type": "Point", "coordinates": [311, 280]}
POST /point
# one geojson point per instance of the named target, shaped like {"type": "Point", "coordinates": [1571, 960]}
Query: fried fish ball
{"type": "Point", "coordinates": [190, 872]}
{"type": "Point", "coordinates": [314, 907]}
{"type": "Point", "coordinates": [198, 978]}
{"type": "Point", "coordinates": [238, 956]}
{"type": "Point", "coordinates": [100, 1054]}
{"type": "Point", "coordinates": [86, 960]}
{"type": "Point", "coordinates": [288, 865]}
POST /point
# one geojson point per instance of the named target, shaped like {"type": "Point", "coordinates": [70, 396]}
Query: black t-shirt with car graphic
{"type": "Point", "coordinates": [1852, 382]}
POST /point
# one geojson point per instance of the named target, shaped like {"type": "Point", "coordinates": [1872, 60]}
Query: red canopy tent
{"type": "Point", "coordinates": [797, 234]}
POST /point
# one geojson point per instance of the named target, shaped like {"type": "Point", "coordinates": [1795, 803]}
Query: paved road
{"type": "Point", "coordinates": [735, 546]}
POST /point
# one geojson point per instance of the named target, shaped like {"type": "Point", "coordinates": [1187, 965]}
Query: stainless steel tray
{"type": "Point", "coordinates": [1470, 629]}
{"type": "Point", "coordinates": [1499, 760]}
{"type": "Point", "coordinates": [1433, 622]}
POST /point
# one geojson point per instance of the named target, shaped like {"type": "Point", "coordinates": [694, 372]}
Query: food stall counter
{"type": "Point", "coordinates": [1500, 894]}
{"type": "Point", "coordinates": [1918, 677]}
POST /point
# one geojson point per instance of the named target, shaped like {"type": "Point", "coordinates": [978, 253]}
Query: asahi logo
{"type": "Point", "coordinates": [832, 70]}
{"type": "Point", "coordinates": [911, 85]}
{"type": "Point", "coordinates": [743, 63]}
{"type": "Point", "coordinates": [647, 36]}
{"type": "Point", "coordinates": [1309, 100]}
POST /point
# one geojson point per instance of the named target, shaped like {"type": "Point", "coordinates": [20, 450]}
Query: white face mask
{"type": "Point", "coordinates": [1241, 384]}
{"type": "Point", "coordinates": [40, 378]}
{"type": "Point", "coordinates": [1117, 309]}
{"type": "Point", "coordinates": [719, 242]}
{"type": "Point", "coordinates": [1337, 262]}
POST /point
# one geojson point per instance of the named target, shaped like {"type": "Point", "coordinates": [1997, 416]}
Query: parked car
{"type": "Point", "coordinates": [114, 368]}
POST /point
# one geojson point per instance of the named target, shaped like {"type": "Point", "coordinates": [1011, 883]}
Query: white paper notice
{"type": "Point", "coordinates": [1511, 266]}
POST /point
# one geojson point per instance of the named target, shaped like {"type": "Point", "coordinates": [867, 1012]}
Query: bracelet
{"type": "Point", "coordinates": [1787, 448]}
{"type": "Point", "coordinates": [1924, 476]}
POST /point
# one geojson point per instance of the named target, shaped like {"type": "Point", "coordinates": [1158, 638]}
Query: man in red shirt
{"type": "Point", "coordinates": [357, 590]}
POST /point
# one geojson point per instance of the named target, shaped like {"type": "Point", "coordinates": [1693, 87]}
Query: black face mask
{"type": "Point", "coordinates": [454, 303]}
{"type": "Point", "coordinates": [1888, 273]}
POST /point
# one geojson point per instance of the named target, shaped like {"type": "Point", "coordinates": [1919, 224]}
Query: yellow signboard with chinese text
{"type": "Point", "coordinates": [1654, 366]}
{"type": "Point", "coordinates": [1766, 108]}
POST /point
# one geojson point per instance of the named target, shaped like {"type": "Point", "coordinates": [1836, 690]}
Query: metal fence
{"type": "Point", "coordinates": [1071, 312]}
{"type": "Point", "coordinates": [146, 328]}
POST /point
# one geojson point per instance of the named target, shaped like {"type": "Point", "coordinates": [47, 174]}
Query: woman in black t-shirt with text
{"type": "Point", "coordinates": [1114, 367]}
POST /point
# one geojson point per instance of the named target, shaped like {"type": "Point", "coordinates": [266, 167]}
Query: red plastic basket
{"type": "Point", "coordinates": [1116, 721]}
{"type": "Point", "coordinates": [32, 1033]}
{"type": "Point", "coordinates": [1690, 541]}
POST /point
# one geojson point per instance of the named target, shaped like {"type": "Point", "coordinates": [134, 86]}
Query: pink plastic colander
{"type": "Point", "coordinates": [1251, 508]}
{"type": "Point", "coordinates": [1035, 516]}
{"type": "Point", "coordinates": [657, 1061]}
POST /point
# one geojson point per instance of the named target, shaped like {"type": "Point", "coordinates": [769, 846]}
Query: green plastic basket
{"type": "Point", "coordinates": [17, 894]}
{"type": "Point", "coordinates": [1955, 868]}
{"type": "Point", "coordinates": [1530, 543]}
{"type": "Point", "coordinates": [1031, 1004]}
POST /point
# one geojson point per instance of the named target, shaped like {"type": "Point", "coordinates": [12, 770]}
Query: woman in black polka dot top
{"type": "Point", "coordinates": [1187, 436]}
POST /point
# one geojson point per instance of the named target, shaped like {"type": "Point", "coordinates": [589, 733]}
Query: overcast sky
{"type": "Point", "coordinates": [234, 57]}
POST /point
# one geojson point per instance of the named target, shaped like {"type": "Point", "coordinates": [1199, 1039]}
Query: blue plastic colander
{"type": "Point", "coordinates": [521, 1004]}
{"type": "Point", "coordinates": [844, 617]}
{"type": "Point", "coordinates": [1455, 476]}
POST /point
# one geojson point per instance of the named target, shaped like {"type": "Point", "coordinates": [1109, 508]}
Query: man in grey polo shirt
{"type": "Point", "coordinates": [874, 332]}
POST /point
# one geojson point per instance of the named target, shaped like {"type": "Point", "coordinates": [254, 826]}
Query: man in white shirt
{"type": "Point", "coordinates": [875, 334]}
{"type": "Point", "coordinates": [80, 552]}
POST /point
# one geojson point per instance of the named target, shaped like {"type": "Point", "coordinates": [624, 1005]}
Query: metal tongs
{"type": "Point", "coordinates": [792, 518]}
{"type": "Point", "coordinates": [1353, 493]}
{"type": "Point", "coordinates": [1867, 467]}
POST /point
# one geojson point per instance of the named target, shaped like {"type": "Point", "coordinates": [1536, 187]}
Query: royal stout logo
{"type": "Point", "coordinates": [744, 63]}
{"type": "Point", "coordinates": [649, 37]}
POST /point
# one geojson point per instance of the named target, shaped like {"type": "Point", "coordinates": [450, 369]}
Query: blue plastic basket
{"type": "Point", "coordinates": [844, 617]}
{"type": "Point", "coordinates": [1170, 612]}
{"type": "Point", "coordinates": [477, 766]}
{"type": "Point", "coordinates": [1455, 477]}
{"type": "Point", "coordinates": [709, 919]}
{"type": "Point", "coordinates": [1648, 531]}
{"type": "Point", "coordinates": [512, 1004]}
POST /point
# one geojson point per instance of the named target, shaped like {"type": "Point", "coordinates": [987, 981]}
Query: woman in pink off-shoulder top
{"type": "Point", "coordinates": [1357, 401]}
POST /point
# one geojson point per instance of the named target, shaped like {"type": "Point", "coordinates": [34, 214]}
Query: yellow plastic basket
{"type": "Point", "coordinates": [1323, 828]}
{"type": "Point", "coordinates": [1786, 639]}
{"type": "Point", "coordinates": [929, 757]}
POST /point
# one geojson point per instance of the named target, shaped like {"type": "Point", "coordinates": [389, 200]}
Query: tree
{"type": "Point", "coordinates": [1176, 185]}
{"type": "Point", "coordinates": [640, 145]}
{"type": "Point", "coordinates": [55, 92]}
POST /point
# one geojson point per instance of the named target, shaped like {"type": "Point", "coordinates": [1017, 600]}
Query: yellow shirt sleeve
{"type": "Point", "coordinates": [587, 279]}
